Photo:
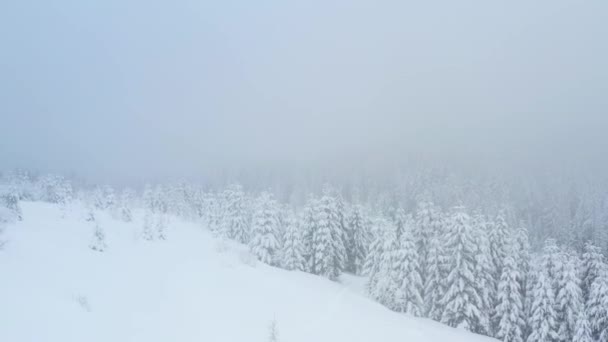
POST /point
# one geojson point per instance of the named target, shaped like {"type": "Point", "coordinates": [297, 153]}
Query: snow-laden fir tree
{"type": "Point", "coordinates": [509, 313]}
{"type": "Point", "coordinates": [428, 223]}
{"type": "Point", "coordinates": [582, 330]}
{"type": "Point", "coordinates": [542, 320]}
{"type": "Point", "coordinates": [264, 242]}
{"type": "Point", "coordinates": [371, 267]}
{"type": "Point", "coordinates": [292, 253]}
{"type": "Point", "coordinates": [498, 236]}
{"type": "Point", "coordinates": [387, 282]}
{"type": "Point", "coordinates": [551, 261]}
{"type": "Point", "coordinates": [568, 301]}
{"type": "Point", "coordinates": [10, 200]}
{"type": "Point", "coordinates": [522, 257]}
{"type": "Point", "coordinates": [98, 243]}
{"type": "Point", "coordinates": [149, 226]}
{"type": "Point", "coordinates": [592, 263]}
{"type": "Point", "coordinates": [484, 267]}
{"type": "Point", "coordinates": [409, 294]}
{"type": "Point", "coordinates": [435, 273]}
{"type": "Point", "coordinates": [308, 225]}
{"type": "Point", "coordinates": [126, 201]}
{"type": "Point", "coordinates": [327, 240]}
{"type": "Point", "coordinates": [597, 306]}
{"type": "Point", "coordinates": [360, 239]}
{"type": "Point", "coordinates": [234, 220]}
{"type": "Point", "coordinates": [462, 301]}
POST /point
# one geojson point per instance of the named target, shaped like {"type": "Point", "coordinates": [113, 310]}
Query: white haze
{"type": "Point", "coordinates": [118, 91]}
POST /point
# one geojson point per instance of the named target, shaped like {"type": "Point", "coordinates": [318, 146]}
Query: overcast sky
{"type": "Point", "coordinates": [115, 88]}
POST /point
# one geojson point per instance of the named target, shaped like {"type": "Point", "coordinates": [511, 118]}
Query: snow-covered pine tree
{"type": "Point", "coordinates": [308, 224]}
{"type": "Point", "coordinates": [359, 235]}
{"type": "Point", "coordinates": [582, 331]}
{"type": "Point", "coordinates": [551, 261]}
{"type": "Point", "coordinates": [235, 223]}
{"type": "Point", "coordinates": [98, 243]}
{"type": "Point", "coordinates": [568, 301]}
{"type": "Point", "coordinates": [484, 267]}
{"type": "Point", "coordinates": [592, 263]}
{"type": "Point", "coordinates": [126, 200]}
{"type": "Point", "coordinates": [10, 200]}
{"type": "Point", "coordinates": [428, 222]}
{"type": "Point", "coordinates": [498, 236]}
{"type": "Point", "coordinates": [435, 272]}
{"type": "Point", "coordinates": [264, 233]}
{"type": "Point", "coordinates": [522, 257]}
{"type": "Point", "coordinates": [509, 308]}
{"type": "Point", "coordinates": [327, 240]}
{"type": "Point", "coordinates": [387, 281]}
{"type": "Point", "coordinates": [371, 267]}
{"type": "Point", "coordinates": [597, 306]}
{"type": "Point", "coordinates": [462, 301]}
{"type": "Point", "coordinates": [149, 225]}
{"type": "Point", "coordinates": [409, 294]}
{"type": "Point", "coordinates": [543, 325]}
{"type": "Point", "coordinates": [292, 253]}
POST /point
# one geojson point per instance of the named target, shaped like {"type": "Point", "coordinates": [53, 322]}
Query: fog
{"type": "Point", "coordinates": [116, 90]}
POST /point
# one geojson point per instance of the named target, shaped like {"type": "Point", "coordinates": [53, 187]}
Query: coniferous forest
{"type": "Point", "coordinates": [532, 270]}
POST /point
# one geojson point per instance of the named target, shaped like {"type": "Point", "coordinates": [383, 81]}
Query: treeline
{"type": "Point", "coordinates": [464, 267]}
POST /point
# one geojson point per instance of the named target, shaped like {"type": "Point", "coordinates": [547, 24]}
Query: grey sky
{"type": "Point", "coordinates": [114, 89]}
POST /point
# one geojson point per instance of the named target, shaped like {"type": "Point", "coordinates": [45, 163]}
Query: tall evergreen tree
{"type": "Point", "coordinates": [592, 263]}
{"type": "Point", "coordinates": [292, 254]}
{"type": "Point", "coordinates": [569, 297]}
{"type": "Point", "coordinates": [234, 222]}
{"type": "Point", "coordinates": [264, 242]}
{"type": "Point", "coordinates": [462, 300]}
{"type": "Point", "coordinates": [543, 317]}
{"type": "Point", "coordinates": [597, 306]}
{"type": "Point", "coordinates": [359, 235]}
{"type": "Point", "coordinates": [509, 308]}
{"type": "Point", "coordinates": [582, 331]}
{"type": "Point", "coordinates": [409, 294]}
{"type": "Point", "coordinates": [328, 250]}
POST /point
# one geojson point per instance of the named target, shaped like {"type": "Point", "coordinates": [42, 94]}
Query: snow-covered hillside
{"type": "Point", "coordinates": [190, 287]}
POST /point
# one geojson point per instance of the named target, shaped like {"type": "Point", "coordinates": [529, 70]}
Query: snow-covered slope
{"type": "Point", "coordinates": [191, 287]}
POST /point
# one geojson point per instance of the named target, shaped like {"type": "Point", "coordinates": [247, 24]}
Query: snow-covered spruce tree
{"type": "Point", "coordinates": [409, 294]}
{"type": "Point", "coordinates": [582, 331]}
{"type": "Point", "coordinates": [360, 239]}
{"type": "Point", "coordinates": [568, 301]}
{"type": "Point", "coordinates": [462, 301]}
{"type": "Point", "coordinates": [592, 263]}
{"type": "Point", "coordinates": [126, 199]}
{"type": "Point", "coordinates": [235, 223]}
{"type": "Point", "coordinates": [522, 258]}
{"type": "Point", "coordinates": [292, 253]}
{"type": "Point", "coordinates": [371, 267]}
{"type": "Point", "coordinates": [486, 284]}
{"type": "Point", "coordinates": [98, 243]}
{"type": "Point", "coordinates": [387, 281]}
{"type": "Point", "coordinates": [509, 313]}
{"type": "Point", "coordinates": [498, 236]}
{"type": "Point", "coordinates": [10, 200]}
{"type": "Point", "coordinates": [551, 261]}
{"type": "Point", "coordinates": [149, 225]}
{"type": "Point", "coordinates": [597, 306]}
{"type": "Point", "coordinates": [542, 320]}
{"type": "Point", "coordinates": [327, 241]}
{"type": "Point", "coordinates": [428, 222]}
{"type": "Point", "coordinates": [435, 272]}
{"type": "Point", "coordinates": [308, 224]}
{"type": "Point", "coordinates": [264, 231]}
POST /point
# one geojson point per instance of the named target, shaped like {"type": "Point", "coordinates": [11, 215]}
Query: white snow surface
{"type": "Point", "coordinates": [191, 287]}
